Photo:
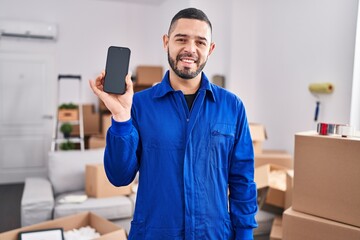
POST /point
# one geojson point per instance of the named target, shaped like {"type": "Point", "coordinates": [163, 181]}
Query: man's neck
{"type": "Point", "coordinates": [187, 86]}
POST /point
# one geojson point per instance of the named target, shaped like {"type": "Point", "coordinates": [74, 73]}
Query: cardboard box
{"type": "Point", "coordinates": [289, 188]}
{"type": "Point", "coordinates": [105, 123]}
{"type": "Point", "coordinates": [271, 180]}
{"type": "Point", "coordinates": [138, 88]}
{"type": "Point", "coordinates": [97, 141]}
{"type": "Point", "coordinates": [107, 229]}
{"type": "Point", "coordinates": [278, 157]}
{"type": "Point", "coordinates": [102, 107]}
{"type": "Point", "coordinates": [148, 75]}
{"type": "Point", "coordinates": [97, 184]}
{"type": "Point", "coordinates": [276, 229]}
{"type": "Point", "coordinates": [258, 135]}
{"type": "Point", "coordinates": [327, 177]}
{"type": "Point", "coordinates": [301, 226]}
{"type": "Point", "coordinates": [91, 121]}
{"type": "Point", "coordinates": [68, 115]}
{"type": "Point", "coordinates": [219, 80]}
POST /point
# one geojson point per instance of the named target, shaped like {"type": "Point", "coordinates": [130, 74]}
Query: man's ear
{"type": "Point", "coordinates": [165, 42]}
{"type": "Point", "coordinates": [212, 47]}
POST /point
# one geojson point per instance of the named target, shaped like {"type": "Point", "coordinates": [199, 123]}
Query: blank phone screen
{"type": "Point", "coordinates": [117, 67]}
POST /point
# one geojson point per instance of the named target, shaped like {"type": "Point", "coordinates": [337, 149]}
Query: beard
{"type": "Point", "coordinates": [185, 73]}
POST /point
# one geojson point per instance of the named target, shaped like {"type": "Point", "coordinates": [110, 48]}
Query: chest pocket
{"type": "Point", "coordinates": [222, 138]}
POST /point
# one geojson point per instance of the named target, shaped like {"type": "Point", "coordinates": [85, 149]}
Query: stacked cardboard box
{"type": "Point", "coordinates": [278, 157]}
{"type": "Point", "coordinates": [276, 229]}
{"type": "Point", "coordinates": [65, 115]}
{"type": "Point", "coordinates": [258, 135]}
{"type": "Point", "coordinates": [266, 156]}
{"type": "Point", "coordinates": [148, 75]}
{"type": "Point", "coordinates": [270, 180]}
{"type": "Point", "coordinates": [102, 107]}
{"type": "Point", "coordinates": [99, 141]}
{"type": "Point", "coordinates": [326, 191]}
{"type": "Point", "coordinates": [289, 188]}
{"type": "Point", "coordinates": [299, 226]}
{"type": "Point", "coordinates": [91, 120]}
{"type": "Point", "coordinates": [97, 184]}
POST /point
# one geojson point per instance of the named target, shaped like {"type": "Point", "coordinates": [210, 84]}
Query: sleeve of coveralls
{"type": "Point", "coordinates": [120, 159]}
{"type": "Point", "coordinates": [243, 193]}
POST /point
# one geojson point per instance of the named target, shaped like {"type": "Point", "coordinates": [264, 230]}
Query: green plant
{"type": "Point", "coordinates": [66, 129]}
{"type": "Point", "coordinates": [67, 145]}
{"type": "Point", "coordinates": [68, 106]}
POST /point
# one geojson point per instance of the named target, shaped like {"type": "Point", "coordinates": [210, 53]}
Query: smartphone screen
{"type": "Point", "coordinates": [117, 67]}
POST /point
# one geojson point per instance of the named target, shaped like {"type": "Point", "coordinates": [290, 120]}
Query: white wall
{"type": "Point", "coordinates": [218, 13]}
{"type": "Point", "coordinates": [167, 10]}
{"type": "Point", "coordinates": [86, 29]}
{"type": "Point", "coordinates": [268, 50]}
{"type": "Point", "coordinates": [282, 46]}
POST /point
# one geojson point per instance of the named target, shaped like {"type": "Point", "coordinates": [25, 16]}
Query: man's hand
{"type": "Point", "coordinates": [119, 105]}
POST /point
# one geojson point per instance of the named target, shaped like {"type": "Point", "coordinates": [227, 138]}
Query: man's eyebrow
{"type": "Point", "coordinates": [181, 35]}
{"type": "Point", "coordinates": [185, 35]}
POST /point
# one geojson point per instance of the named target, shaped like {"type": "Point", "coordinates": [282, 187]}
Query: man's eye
{"type": "Point", "coordinates": [180, 40]}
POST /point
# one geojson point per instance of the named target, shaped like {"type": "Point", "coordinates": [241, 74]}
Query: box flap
{"type": "Point", "coordinates": [258, 132]}
{"type": "Point", "coordinates": [116, 235]}
{"type": "Point", "coordinates": [102, 225]}
{"type": "Point", "coordinates": [263, 174]}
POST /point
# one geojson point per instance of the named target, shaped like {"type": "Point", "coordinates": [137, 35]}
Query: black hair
{"type": "Point", "coordinates": [190, 13]}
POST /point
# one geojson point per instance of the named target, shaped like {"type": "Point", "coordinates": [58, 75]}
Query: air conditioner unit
{"type": "Point", "coordinates": [25, 29]}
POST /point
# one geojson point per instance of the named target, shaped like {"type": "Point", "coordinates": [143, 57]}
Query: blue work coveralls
{"type": "Point", "coordinates": [187, 162]}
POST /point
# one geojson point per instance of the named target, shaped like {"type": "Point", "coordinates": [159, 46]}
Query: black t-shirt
{"type": "Point", "coordinates": [190, 99]}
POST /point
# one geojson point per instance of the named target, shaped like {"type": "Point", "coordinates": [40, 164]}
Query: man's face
{"type": "Point", "coordinates": [188, 47]}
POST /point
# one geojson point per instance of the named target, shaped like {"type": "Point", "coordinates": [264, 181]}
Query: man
{"type": "Point", "coordinates": [190, 142]}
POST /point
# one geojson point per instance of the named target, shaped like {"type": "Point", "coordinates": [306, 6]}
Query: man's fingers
{"type": "Point", "coordinates": [129, 83]}
{"type": "Point", "coordinates": [100, 79]}
{"type": "Point", "coordinates": [98, 85]}
{"type": "Point", "coordinates": [94, 87]}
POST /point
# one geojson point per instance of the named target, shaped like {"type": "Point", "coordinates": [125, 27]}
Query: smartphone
{"type": "Point", "coordinates": [117, 67]}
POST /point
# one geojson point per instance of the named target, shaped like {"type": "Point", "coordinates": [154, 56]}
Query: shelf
{"type": "Point", "coordinates": [72, 139]}
{"type": "Point", "coordinates": [73, 122]}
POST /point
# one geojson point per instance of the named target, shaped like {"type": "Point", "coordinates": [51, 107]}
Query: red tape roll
{"type": "Point", "coordinates": [326, 128]}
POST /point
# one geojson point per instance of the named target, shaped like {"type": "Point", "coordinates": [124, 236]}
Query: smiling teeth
{"type": "Point", "coordinates": [188, 60]}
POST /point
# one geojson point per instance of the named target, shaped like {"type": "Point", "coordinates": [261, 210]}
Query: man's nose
{"type": "Point", "coordinates": [190, 47]}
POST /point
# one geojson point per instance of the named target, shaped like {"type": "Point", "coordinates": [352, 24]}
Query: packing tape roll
{"type": "Point", "coordinates": [345, 130]}
{"type": "Point", "coordinates": [338, 129]}
{"type": "Point", "coordinates": [326, 128]}
{"type": "Point", "coordinates": [321, 88]}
